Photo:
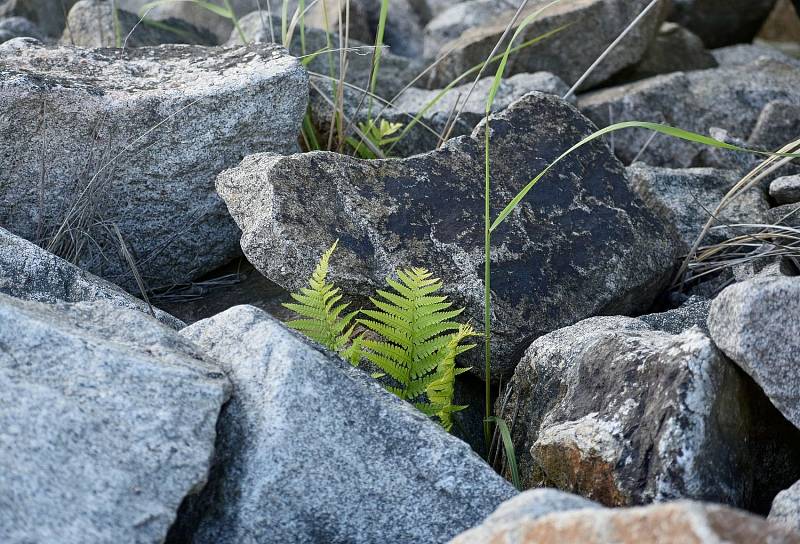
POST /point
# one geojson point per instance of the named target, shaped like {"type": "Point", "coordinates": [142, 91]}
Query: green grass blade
{"type": "Point", "coordinates": [663, 129]}
{"type": "Point", "coordinates": [225, 12]}
{"type": "Point", "coordinates": [508, 445]}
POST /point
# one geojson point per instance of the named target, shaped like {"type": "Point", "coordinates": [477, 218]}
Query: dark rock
{"type": "Point", "coordinates": [581, 243]}
{"type": "Point", "coordinates": [30, 273]}
{"type": "Point", "coordinates": [622, 414]}
{"type": "Point", "coordinates": [722, 22]}
{"type": "Point", "coordinates": [753, 322]}
{"type": "Point", "coordinates": [106, 139]}
{"type": "Point", "coordinates": [313, 450]}
{"type": "Point", "coordinates": [93, 23]}
{"type": "Point", "coordinates": [108, 421]}
{"type": "Point", "coordinates": [594, 25]}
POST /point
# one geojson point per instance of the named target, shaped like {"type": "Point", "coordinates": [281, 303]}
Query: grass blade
{"type": "Point", "coordinates": [663, 129]}
{"type": "Point", "coordinates": [508, 446]}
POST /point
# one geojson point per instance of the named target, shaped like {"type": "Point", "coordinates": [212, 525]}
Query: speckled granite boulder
{"type": "Point", "coordinates": [675, 523]}
{"type": "Point", "coordinates": [755, 324]}
{"type": "Point", "coordinates": [731, 97]}
{"type": "Point", "coordinates": [623, 414]}
{"type": "Point", "coordinates": [30, 273]}
{"type": "Point", "coordinates": [93, 23]}
{"type": "Point", "coordinates": [313, 450]}
{"type": "Point", "coordinates": [786, 508]}
{"type": "Point", "coordinates": [105, 140]}
{"type": "Point", "coordinates": [107, 421]}
{"type": "Point", "coordinates": [580, 244]}
{"type": "Point", "coordinates": [593, 24]}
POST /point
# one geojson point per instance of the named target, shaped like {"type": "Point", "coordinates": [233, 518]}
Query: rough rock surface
{"type": "Point", "coordinates": [18, 27]}
{"type": "Point", "coordinates": [688, 196]}
{"type": "Point", "coordinates": [707, 99]}
{"type": "Point", "coordinates": [201, 18]}
{"type": "Point", "coordinates": [674, 49]}
{"type": "Point", "coordinates": [746, 53]}
{"type": "Point", "coordinates": [675, 523]}
{"type": "Point", "coordinates": [526, 507]}
{"type": "Point", "coordinates": [785, 190]}
{"type": "Point", "coordinates": [395, 71]}
{"type": "Point", "coordinates": [313, 450]}
{"type": "Point", "coordinates": [30, 273]}
{"type": "Point", "coordinates": [626, 415]}
{"type": "Point", "coordinates": [753, 323]}
{"type": "Point", "coordinates": [594, 25]}
{"type": "Point", "coordinates": [46, 14]}
{"type": "Point", "coordinates": [436, 119]}
{"type": "Point", "coordinates": [91, 23]}
{"type": "Point", "coordinates": [786, 508]}
{"type": "Point", "coordinates": [692, 313]}
{"type": "Point", "coordinates": [133, 140]}
{"type": "Point", "coordinates": [722, 22]}
{"type": "Point", "coordinates": [580, 244]}
{"type": "Point", "coordinates": [107, 420]}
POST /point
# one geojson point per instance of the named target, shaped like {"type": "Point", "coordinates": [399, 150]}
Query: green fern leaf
{"type": "Point", "coordinates": [420, 341]}
{"type": "Point", "coordinates": [320, 308]}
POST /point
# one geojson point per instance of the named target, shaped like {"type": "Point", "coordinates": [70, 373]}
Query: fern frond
{"type": "Point", "coordinates": [320, 309]}
{"type": "Point", "coordinates": [420, 340]}
{"type": "Point", "coordinates": [441, 389]}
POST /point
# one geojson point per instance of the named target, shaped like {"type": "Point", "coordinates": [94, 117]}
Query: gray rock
{"type": "Point", "coordinates": [626, 415]}
{"type": "Point", "coordinates": [580, 244]}
{"type": "Point", "coordinates": [133, 140]}
{"type": "Point", "coordinates": [722, 22]}
{"type": "Point", "coordinates": [456, 18]}
{"type": "Point", "coordinates": [436, 119]}
{"type": "Point", "coordinates": [688, 197]}
{"type": "Point", "coordinates": [47, 16]}
{"type": "Point", "coordinates": [753, 322]}
{"type": "Point", "coordinates": [692, 313]}
{"type": "Point", "coordinates": [526, 507]}
{"type": "Point", "coordinates": [395, 71]}
{"type": "Point", "coordinates": [313, 450]}
{"type": "Point", "coordinates": [730, 97]}
{"type": "Point", "coordinates": [786, 508]}
{"type": "Point", "coordinates": [744, 53]}
{"type": "Point", "coordinates": [594, 24]}
{"type": "Point", "coordinates": [673, 523]}
{"type": "Point", "coordinates": [787, 214]}
{"type": "Point", "coordinates": [785, 190]}
{"type": "Point", "coordinates": [30, 273]}
{"type": "Point", "coordinates": [93, 23]}
{"type": "Point", "coordinates": [19, 27]}
{"type": "Point", "coordinates": [108, 422]}
{"type": "Point", "coordinates": [674, 49]}
{"type": "Point", "coordinates": [201, 18]}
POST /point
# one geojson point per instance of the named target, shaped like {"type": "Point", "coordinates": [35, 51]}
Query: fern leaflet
{"type": "Point", "coordinates": [321, 313]}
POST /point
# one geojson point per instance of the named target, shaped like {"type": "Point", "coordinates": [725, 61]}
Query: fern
{"type": "Point", "coordinates": [417, 344]}
{"type": "Point", "coordinates": [320, 310]}
{"type": "Point", "coordinates": [441, 390]}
